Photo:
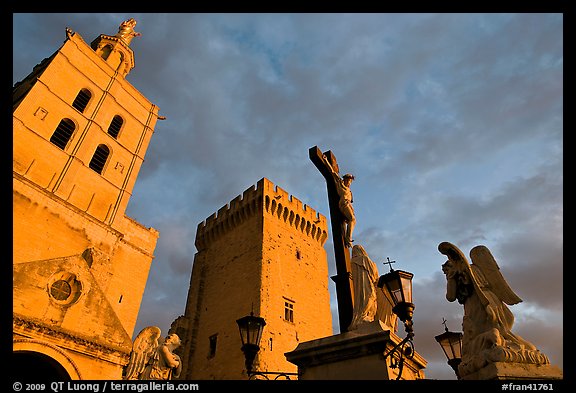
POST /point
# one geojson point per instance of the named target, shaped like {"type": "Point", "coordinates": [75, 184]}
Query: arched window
{"type": "Point", "coordinates": [99, 158]}
{"type": "Point", "coordinates": [82, 99]}
{"type": "Point", "coordinates": [63, 132]}
{"type": "Point", "coordinates": [106, 51]}
{"type": "Point", "coordinates": [115, 126]}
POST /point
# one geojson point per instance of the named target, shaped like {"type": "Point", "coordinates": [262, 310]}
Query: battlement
{"type": "Point", "coordinates": [292, 211]}
{"type": "Point", "coordinates": [275, 201]}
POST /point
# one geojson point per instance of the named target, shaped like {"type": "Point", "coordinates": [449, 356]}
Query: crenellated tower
{"type": "Point", "coordinates": [262, 252]}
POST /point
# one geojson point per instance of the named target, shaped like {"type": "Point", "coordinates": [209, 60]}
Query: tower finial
{"type": "Point", "coordinates": [126, 31]}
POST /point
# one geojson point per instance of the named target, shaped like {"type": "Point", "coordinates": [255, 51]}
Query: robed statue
{"type": "Point", "coordinates": [370, 302]}
{"type": "Point", "coordinates": [487, 323]}
{"type": "Point", "coordinates": [365, 277]}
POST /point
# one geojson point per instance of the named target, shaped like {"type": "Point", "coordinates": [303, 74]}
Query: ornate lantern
{"type": "Point", "coordinates": [251, 328]}
{"type": "Point", "coordinates": [399, 284]}
{"type": "Point", "coordinates": [451, 343]}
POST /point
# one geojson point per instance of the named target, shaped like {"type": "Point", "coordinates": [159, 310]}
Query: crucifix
{"type": "Point", "coordinates": [342, 227]}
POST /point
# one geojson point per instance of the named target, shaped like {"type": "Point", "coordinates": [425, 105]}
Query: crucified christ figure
{"type": "Point", "coordinates": [345, 202]}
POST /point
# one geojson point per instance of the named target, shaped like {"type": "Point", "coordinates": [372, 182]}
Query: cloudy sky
{"type": "Point", "coordinates": [451, 123]}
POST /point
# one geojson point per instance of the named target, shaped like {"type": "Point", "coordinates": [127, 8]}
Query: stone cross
{"type": "Point", "coordinates": [343, 277]}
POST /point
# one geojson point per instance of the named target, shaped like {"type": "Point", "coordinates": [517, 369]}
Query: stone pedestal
{"type": "Point", "coordinates": [517, 371]}
{"type": "Point", "coordinates": [354, 355]}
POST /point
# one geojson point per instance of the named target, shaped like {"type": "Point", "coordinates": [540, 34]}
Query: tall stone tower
{"type": "Point", "coordinates": [80, 265]}
{"type": "Point", "coordinates": [262, 253]}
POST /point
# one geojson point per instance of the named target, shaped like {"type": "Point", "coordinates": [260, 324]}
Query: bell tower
{"type": "Point", "coordinates": [80, 265]}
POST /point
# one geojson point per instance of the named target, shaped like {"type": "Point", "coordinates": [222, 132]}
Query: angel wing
{"type": "Point", "coordinates": [482, 258]}
{"type": "Point", "coordinates": [452, 252]}
{"type": "Point", "coordinates": [143, 348]}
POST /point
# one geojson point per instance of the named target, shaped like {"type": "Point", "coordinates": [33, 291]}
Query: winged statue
{"type": "Point", "coordinates": [153, 357]}
{"type": "Point", "coordinates": [143, 349]}
{"type": "Point", "coordinates": [487, 323]}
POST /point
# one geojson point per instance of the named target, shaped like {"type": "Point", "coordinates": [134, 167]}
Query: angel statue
{"type": "Point", "coordinates": [153, 358]}
{"type": "Point", "coordinates": [487, 323]}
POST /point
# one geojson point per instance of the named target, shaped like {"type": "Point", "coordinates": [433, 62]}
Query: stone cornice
{"type": "Point", "coordinates": [30, 327]}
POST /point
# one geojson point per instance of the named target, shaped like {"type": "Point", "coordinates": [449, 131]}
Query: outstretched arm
{"type": "Point", "coordinates": [335, 174]}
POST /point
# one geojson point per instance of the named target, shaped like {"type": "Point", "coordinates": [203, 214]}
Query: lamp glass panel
{"type": "Point", "coordinates": [407, 288]}
{"type": "Point", "coordinates": [243, 335]}
{"type": "Point", "coordinates": [393, 285]}
{"type": "Point", "coordinates": [253, 332]}
{"type": "Point", "coordinates": [446, 347]}
{"type": "Point", "coordinates": [456, 346]}
{"type": "Point", "coordinates": [397, 296]}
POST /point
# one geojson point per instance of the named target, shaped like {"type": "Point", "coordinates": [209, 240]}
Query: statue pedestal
{"type": "Point", "coordinates": [517, 371]}
{"type": "Point", "coordinates": [354, 355]}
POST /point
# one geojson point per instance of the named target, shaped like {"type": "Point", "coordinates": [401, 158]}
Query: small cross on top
{"type": "Point", "coordinates": [389, 262]}
{"type": "Point", "coordinates": [444, 323]}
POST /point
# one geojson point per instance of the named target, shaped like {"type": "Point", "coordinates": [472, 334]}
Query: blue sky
{"type": "Point", "coordinates": [452, 124]}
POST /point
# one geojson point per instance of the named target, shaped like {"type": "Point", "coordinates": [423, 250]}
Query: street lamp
{"type": "Point", "coordinates": [251, 328]}
{"type": "Point", "coordinates": [451, 343]}
{"type": "Point", "coordinates": [398, 283]}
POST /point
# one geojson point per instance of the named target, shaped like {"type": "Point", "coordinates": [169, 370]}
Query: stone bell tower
{"type": "Point", "coordinates": [263, 253]}
{"type": "Point", "coordinates": [80, 265]}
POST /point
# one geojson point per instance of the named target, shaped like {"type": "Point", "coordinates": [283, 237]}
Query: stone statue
{"type": "Point", "coordinates": [345, 203]}
{"type": "Point", "coordinates": [152, 358]}
{"type": "Point", "coordinates": [126, 31]}
{"type": "Point", "coordinates": [365, 278]}
{"type": "Point", "coordinates": [370, 304]}
{"type": "Point", "coordinates": [487, 323]}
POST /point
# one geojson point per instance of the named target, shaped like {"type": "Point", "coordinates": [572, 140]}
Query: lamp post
{"type": "Point", "coordinates": [251, 328]}
{"type": "Point", "coordinates": [398, 283]}
{"type": "Point", "coordinates": [451, 343]}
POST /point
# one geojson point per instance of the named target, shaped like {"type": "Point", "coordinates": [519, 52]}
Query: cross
{"type": "Point", "coordinates": [343, 277]}
{"type": "Point", "coordinates": [389, 262]}
{"type": "Point", "coordinates": [444, 323]}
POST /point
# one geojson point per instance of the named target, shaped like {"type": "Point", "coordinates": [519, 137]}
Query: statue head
{"type": "Point", "coordinates": [172, 340]}
{"type": "Point", "coordinates": [128, 23]}
{"type": "Point", "coordinates": [358, 250]}
{"type": "Point", "coordinates": [448, 268]}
